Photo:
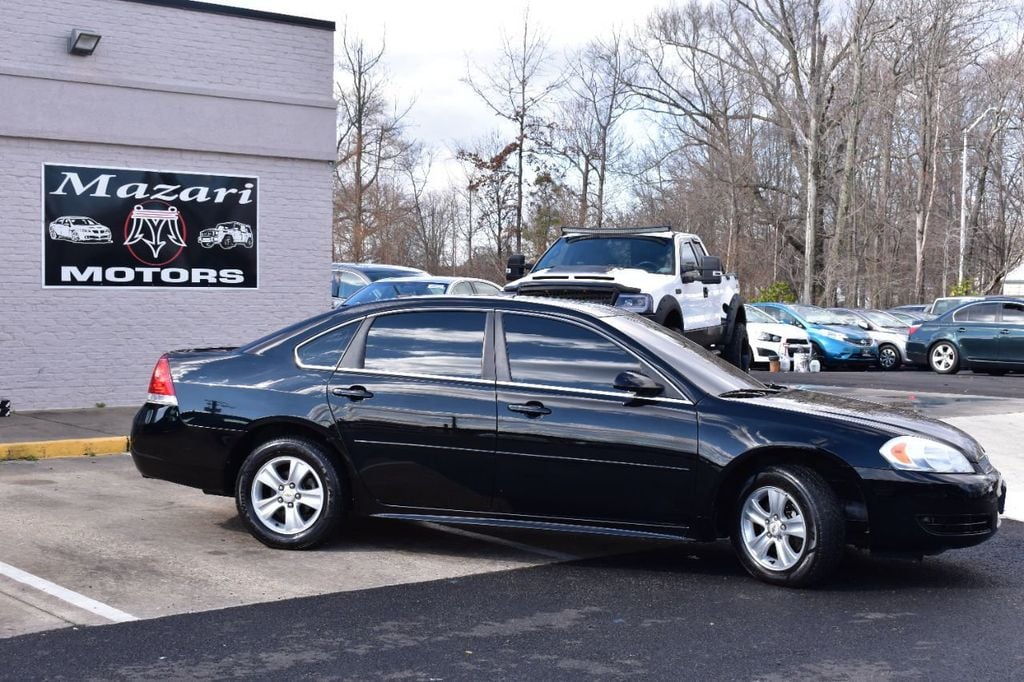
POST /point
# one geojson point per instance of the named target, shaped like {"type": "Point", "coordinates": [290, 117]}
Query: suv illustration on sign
{"type": "Point", "coordinates": [78, 229]}
{"type": "Point", "coordinates": [663, 275]}
{"type": "Point", "coordinates": [227, 235]}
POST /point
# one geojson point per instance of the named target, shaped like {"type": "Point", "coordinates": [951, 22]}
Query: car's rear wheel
{"type": "Point", "coordinates": [889, 357]}
{"type": "Point", "coordinates": [944, 358]}
{"type": "Point", "coordinates": [289, 494]}
{"type": "Point", "coordinates": [789, 527]}
{"type": "Point", "coordinates": [248, 243]}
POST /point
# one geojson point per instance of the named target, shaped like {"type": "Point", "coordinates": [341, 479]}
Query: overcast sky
{"type": "Point", "coordinates": [429, 44]}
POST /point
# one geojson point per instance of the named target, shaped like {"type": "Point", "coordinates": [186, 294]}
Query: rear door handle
{"type": "Point", "coordinates": [530, 409]}
{"type": "Point", "coordinates": [352, 393]}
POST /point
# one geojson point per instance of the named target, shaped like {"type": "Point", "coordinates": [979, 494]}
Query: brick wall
{"type": "Point", "coordinates": [77, 347]}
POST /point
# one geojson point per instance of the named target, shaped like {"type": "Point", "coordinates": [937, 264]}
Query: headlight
{"type": "Point", "coordinates": [765, 336]}
{"type": "Point", "coordinates": [634, 303]}
{"type": "Point", "coordinates": [913, 453]}
{"type": "Point", "coordinates": [832, 334]}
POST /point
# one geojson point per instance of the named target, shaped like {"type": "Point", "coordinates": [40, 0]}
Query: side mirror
{"type": "Point", "coordinates": [710, 269]}
{"type": "Point", "coordinates": [516, 267]}
{"type": "Point", "coordinates": [864, 325]}
{"type": "Point", "coordinates": [640, 384]}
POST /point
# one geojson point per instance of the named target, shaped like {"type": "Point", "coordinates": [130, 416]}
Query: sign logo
{"type": "Point", "coordinates": [155, 228]}
{"type": "Point", "coordinates": [178, 229]}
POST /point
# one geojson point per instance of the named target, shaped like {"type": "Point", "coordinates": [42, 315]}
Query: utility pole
{"type": "Point", "coordinates": [963, 192]}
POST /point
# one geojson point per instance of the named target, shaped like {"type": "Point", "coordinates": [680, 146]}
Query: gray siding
{"type": "Point", "coordinates": [167, 89]}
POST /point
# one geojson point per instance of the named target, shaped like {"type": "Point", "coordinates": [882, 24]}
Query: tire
{"type": "Point", "coordinates": [53, 233]}
{"type": "Point", "coordinates": [944, 358]}
{"type": "Point", "coordinates": [889, 357]}
{"type": "Point", "coordinates": [75, 238]}
{"type": "Point", "coordinates": [277, 462]}
{"type": "Point", "coordinates": [248, 243]}
{"type": "Point", "coordinates": [761, 545]}
{"type": "Point", "coordinates": [733, 353]}
{"type": "Point", "coordinates": [228, 241]}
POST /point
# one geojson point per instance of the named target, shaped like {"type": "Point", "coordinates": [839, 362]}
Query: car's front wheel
{"type": "Point", "coordinates": [289, 494]}
{"type": "Point", "coordinates": [789, 527]}
{"type": "Point", "coordinates": [228, 241]}
{"type": "Point", "coordinates": [944, 358]}
{"type": "Point", "coordinates": [889, 357]}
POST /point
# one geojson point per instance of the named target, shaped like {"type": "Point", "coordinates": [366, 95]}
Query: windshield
{"type": "Point", "coordinates": [653, 254]}
{"type": "Point", "coordinates": [816, 315]}
{"type": "Point", "coordinates": [83, 221]}
{"type": "Point", "coordinates": [708, 372]}
{"type": "Point", "coordinates": [846, 316]}
{"type": "Point", "coordinates": [759, 316]}
{"type": "Point", "coordinates": [384, 291]}
{"type": "Point", "coordinates": [881, 319]}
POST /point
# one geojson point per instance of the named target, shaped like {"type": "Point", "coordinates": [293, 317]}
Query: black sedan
{"type": "Point", "coordinates": [984, 336]}
{"type": "Point", "coordinates": [556, 416]}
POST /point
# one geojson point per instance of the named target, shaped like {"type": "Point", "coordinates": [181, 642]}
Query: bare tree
{"type": "Point", "coordinates": [515, 89]}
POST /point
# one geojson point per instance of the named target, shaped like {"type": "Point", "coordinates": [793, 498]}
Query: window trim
{"type": "Point", "coordinates": [503, 371]}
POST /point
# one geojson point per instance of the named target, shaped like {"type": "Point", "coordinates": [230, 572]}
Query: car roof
{"type": "Point", "coordinates": [375, 266]}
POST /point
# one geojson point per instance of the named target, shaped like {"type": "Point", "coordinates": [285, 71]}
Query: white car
{"type": "Point", "coordinates": [767, 337]}
{"type": "Point", "coordinates": [74, 228]}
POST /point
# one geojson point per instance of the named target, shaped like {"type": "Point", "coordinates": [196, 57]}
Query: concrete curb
{"type": "Point", "coordinates": [73, 447]}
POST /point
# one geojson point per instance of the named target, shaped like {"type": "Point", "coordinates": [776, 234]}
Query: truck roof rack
{"type": "Point", "coordinates": [616, 230]}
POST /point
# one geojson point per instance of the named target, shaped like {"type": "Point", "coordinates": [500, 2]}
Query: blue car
{"type": "Point", "coordinates": [834, 343]}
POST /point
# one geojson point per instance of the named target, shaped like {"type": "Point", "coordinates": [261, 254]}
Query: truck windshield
{"type": "Point", "coordinates": [653, 254]}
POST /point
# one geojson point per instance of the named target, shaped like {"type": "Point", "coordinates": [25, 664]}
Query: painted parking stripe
{"type": "Point", "coordinates": [64, 594]}
{"type": "Point", "coordinates": [549, 553]}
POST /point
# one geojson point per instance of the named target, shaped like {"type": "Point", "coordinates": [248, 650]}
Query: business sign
{"type": "Point", "coordinates": [119, 227]}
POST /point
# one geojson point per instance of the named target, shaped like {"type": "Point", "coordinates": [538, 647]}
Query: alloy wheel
{"type": "Point", "coordinates": [887, 357]}
{"type": "Point", "coordinates": [773, 528]}
{"type": "Point", "coordinates": [943, 357]}
{"type": "Point", "coordinates": [287, 495]}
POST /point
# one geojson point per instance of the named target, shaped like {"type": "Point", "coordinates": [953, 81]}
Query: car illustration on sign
{"type": "Point", "coordinates": [79, 229]}
{"type": "Point", "coordinates": [226, 235]}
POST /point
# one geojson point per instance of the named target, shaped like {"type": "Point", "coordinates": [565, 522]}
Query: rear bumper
{"type": "Point", "coordinates": [929, 513]}
{"type": "Point", "coordinates": [164, 447]}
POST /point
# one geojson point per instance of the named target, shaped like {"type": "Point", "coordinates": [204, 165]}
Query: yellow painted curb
{"type": "Point", "coordinates": [74, 447]}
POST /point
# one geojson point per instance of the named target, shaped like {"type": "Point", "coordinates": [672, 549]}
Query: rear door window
{"type": "Point", "coordinates": [432, 343]}
{"type": "Point", "coordinates": [1013, 313]}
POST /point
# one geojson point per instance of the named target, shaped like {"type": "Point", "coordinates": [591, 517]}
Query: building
{"type": "Point", "coordinates": [1013, 284]}
{"type": "Point", "coordinates": [168, 186]}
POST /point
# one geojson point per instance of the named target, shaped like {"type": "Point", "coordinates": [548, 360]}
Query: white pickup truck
{"type": "Point", "coordinates": [653, 271]}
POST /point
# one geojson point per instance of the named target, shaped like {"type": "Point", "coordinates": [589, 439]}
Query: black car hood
{"type": "Point", "coordinates": [893, 421]}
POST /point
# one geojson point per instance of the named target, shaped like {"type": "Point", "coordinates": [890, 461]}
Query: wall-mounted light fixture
{"type": "Point", "coordinates": [83, 43]}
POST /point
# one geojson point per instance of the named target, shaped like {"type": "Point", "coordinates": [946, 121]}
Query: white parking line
{"type": "Point", "coordinates": [549, 553]}
{"type": "Point", "coordinates": [64, 594]}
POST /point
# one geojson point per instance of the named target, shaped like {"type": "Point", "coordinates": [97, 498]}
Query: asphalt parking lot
{"type": "Point", "coordinates": [181, 590]}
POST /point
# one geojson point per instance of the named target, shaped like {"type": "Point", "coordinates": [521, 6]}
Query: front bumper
{"type": "Point", "coordinates": [842, 352]}
{"type": "Point", "coordinates": [925, 513]}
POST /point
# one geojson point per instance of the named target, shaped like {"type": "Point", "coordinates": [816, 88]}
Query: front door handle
{"type": "Point", "coordinates": [531, 409]}
{"type": "Point", "coordinates": [1004, 331]}
{"type": "Point", "coordinates": [352, 393]}
{"type": "Point", "coordinates": [962, 329]}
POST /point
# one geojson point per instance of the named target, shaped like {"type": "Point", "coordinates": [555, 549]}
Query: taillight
{"type": "Point", "coordinates": [913, 328]}
{"type": "Point", "coordinates": [161, 388]}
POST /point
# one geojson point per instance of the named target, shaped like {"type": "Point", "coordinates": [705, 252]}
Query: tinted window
{"type": "Point", "coordinates": [385, 291]}
{"type": "Point", "coordinates": [983, 312]}
{"type": "Point", "coordinates": [346, 283]}
{"type": "Point", "coordinates": [554, 353]}
{"type": "Point", "coordinates": [485, 289]}
{"type": "Point", "coordinates": [653, 254]}
{"type": "Point", "coordinates": [687, 257]}
{"type": "Point", "coordinates": [438, 343]}
{"type": "Point", "coordinates": [1013, 313]}
{"type": "Point", "coordinates": [326, 350]}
